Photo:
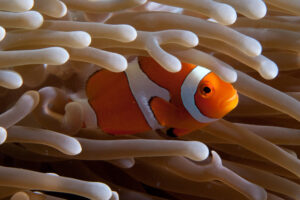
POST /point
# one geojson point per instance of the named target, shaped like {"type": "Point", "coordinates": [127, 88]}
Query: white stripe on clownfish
{"type": "Point", "coordinates": [188, 91]}
{"type": "Point", "coordinates": [143, 89]}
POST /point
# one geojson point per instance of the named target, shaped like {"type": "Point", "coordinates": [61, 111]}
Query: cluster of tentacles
{"type": "Point", "coordinates": [48, 48]}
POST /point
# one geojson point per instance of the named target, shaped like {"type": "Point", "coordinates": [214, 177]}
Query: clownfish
{"type": "Point", "coordinates": [146, 96]}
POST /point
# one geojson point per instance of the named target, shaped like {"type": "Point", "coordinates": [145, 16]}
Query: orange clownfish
{"type": "Point", "coordinates": [146, 97]}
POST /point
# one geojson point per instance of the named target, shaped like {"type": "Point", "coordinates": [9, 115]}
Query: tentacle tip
{"type": "Point", "coordinates": [194, 41]}
{"type": "Point", "coordinates": [100, 191]}
{"type": "Point", "coordinates": [18, 82]}
{"type": "Point", "coordinates": [173, 68]}
{"type": "Point", "coordinates": [171, 64]}
{"type": "Point", "coordinates": [120, 64]}
{"type": "Point", "coordinates": [120, 68]}
{"type": "Point", "coordinates": [82, 38]}
{"type": "Point", "coordinates": [216, 160]}
{"type": "Point", "coordinates": [26, 5]}
{"type": "Point", "coordinates": [259, 194]}
{"type": "Point", "coordinates": [3, 135]}
{"type": "Point", "coordinates": [60, 55]}
{"type": "Point", "coordinates": [2, 33]}
{"type": "Point", "coordinates": [20, 196]}
{"type": "Point", "coordinates": [198, 151]}
{"type": "Point", "coordinates": [230, 77]}
{"type": "Point", "coordinates": [269, 70]}
{"type": "Point", "coordinates": [75, 149]}
{"type": "Point", "coordinates": [258, 11]}
{"type": "Point", "coordinates": [35, 19]}
{"type": "Point", "coordinates": [11, 79]}
{"type": "Point", "coordinates": [225, 14]}
{"type": "Point", "coordinates": [63, 10]}
{"type": "Point", "coordinates": [73, 117]}
{"type": "Point", "coordinates": [128, 163]}
{"type": "Point", "coordinates": [254, 47]}
{"type": "Point", "coordinates": [190, 39]}
{"type": "Point", "coordinates": [115, 196]}
{"type": "Point", "coordinates": [35, 96]}
{"type": "Point", "coordinates": [140, 2]}
{"type": "Point", "coordinates": [270, 74]}
{"type": "Point", "coordinates": [129, 33]}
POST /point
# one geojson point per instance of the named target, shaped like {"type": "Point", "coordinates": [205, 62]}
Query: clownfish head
{"type": "Point", "coordinates": [215, 97]}
{"type": "Point", "coordinates": [206, 96]}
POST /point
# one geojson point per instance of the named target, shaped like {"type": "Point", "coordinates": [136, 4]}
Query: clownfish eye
{"type": "Point", "coordinates": [206, 90]}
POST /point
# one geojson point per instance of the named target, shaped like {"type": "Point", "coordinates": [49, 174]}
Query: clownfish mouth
{"type": "Point", "coordinates": [224, 106]}
{"type": "Point", "coordinates": [233, 98]}
{"type": "Point", "coordinates": [231, 103]}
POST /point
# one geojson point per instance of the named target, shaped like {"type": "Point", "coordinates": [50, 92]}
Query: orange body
{"type": "Point", "coordinates": [118, 111]}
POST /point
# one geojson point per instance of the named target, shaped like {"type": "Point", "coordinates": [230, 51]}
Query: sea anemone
{"type": "Point", "coordinates": [49, 149]}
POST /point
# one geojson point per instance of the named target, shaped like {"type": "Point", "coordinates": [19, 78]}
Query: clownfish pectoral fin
{"type": "Point", "coordinates": [164, 111]}
{"type": "Point", "coordinates": [167, 114]}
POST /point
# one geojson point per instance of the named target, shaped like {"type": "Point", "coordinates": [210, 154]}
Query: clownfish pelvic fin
{"type": "Point", "coordinates": [175, 132]}
{"type": "Point", "coordinates": [169, 115]}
